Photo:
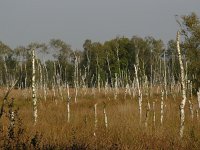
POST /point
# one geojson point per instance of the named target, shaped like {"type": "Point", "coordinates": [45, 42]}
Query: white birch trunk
{"type": "Point", "coordinates": [105, 116]}
{"type": "Point", "coordinates": [198, 98]}
{"type": "Point", "coordinates": [162, 107]}
{"type": "Point", "coordinates": [154, 115]}
{"type": "Point", "coordinates": [45, 83]}
{"type": "Point", "coordinates": [182, 105]}
{"type": "Point", "coordinates": [95, 119]}
{"type": "Point", "coordinates": [76, 78]}
{"type": "Point", "coordinates": [76, 93]}
{"type": "Point", "coordinates": [59, 84]}
{"type": "Point", "coordinates": [53, 90]}
{"type": "Point", "coordinates": [108, 63]}
{"type": "Point", "coordinates": [98, 75]}
{"type": "Point", "coordinates": [25, 80]}
{"type": "Point", "coordinates": [68, 104]}
{"type": "Point", "coordinates": [147, 114]}
{"type": "Point", "coordinates": [139, 93]}
{"type": "Point", "coordinates": [34, 98]}
{"type": "Point", "coordinates": [165, 77]}
{"type": "Point", "coordinates": [40, 72]}
{"type": "Point", "coordinates": [6, 73]}
{"type": "Point", "coordinates": [106, 88]}
{"type": "Point", "coordinates": [116, 87]}
{"type": "Point", "coordinates": [126, 91]}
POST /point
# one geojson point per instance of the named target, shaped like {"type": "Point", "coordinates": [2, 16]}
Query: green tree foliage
{"type": "Point", "coordinates": [99, 63]}
{"type": "Point", "coordinates": [190, 29]}
{"type": "Point", "coordinates": [7, 64]}
{"type": "Point", "coordinates": [63, 55]}
{"type": "Point", "coordinates": [118, 56]}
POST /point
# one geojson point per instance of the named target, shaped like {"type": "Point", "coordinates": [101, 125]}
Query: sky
{"type": "Point", "coordinates": [74, 21]}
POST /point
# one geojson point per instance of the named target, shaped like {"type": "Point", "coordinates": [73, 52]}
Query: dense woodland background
{"type": "Point", "coordinates": [99, 63]}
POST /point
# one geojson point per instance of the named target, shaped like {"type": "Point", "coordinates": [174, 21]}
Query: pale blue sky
{"type": "Point", "coordinates": [74, 21]}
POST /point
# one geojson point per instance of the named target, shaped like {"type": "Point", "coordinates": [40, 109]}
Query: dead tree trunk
{"type": "Point", "coordinates": [34, 98]}
{"type": "Point", "coordinates": [182, 105]}
{"type": "Point", "coordinates": [198, 98]}
{"type": "Point", "coordinates": [68, 104]}
{"type": "Point", "coordinates": [162, 107]}
{"type": "Point", "coordinates": [139, 92]}
{"type": "Point", "coordinates": [95, 118]}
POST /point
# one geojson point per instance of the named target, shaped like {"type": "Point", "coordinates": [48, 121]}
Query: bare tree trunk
{"type": "Point", "coordinates": [6, 73]}
{"type": "Point", "coordinates": [165, 77]}
{"type": "Point", "coordinates": [154, 115]}
{"type": "Point", "coordinates": [116, 87]}
{"type": "Point", "coordinates": [105, 116]}
{"type": "Point", "coordinates": [162, 107]}
{"type": "Point", "coordinates": [108, 63]}
{"type": "Point", "coordinates": [68, 104]}
{"type": "Point", "coordinates": [147, 114]}
{"type": "Point", "coordinates": [182, 105]}
{"type": "Point", "coordinates": [98, 75]}
{"type": "Point", "coordinates": [139, 93]}
{"type": "Point", "coordinates": [126, 91]}
{"type": "Point", "coordinates": [95, 118]}
{"type": "Point", "coordinates": [106, 89]}
{"type": "Point", "coordinates": [59, 84]}
{"type": "Point", "coordinates": [40, 72]}
{"type": "Point", "coordinates": [151, 80]}
{"type": "Point", "coordinates": [25, 80]}
{"type": "Point", "coordinates": [198, 98]}
{"type": "Point", "coordinates": [34, 98]}
{"type": "Point", "coordinates": [45, 82]}
{"type": "Point", "coordinates": [118, 62]}
{"type": "Point", "coordinates": [76, 77]}
{"type": "Point", "coordinates": [54, 92]}
{"type": "Point", "coordinates": [191, 109]}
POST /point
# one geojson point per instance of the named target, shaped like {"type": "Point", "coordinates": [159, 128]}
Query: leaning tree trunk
{"type": "Point", "coordinates": [34, 98]}
{"type": "Point", "coordinates": [182, 105]}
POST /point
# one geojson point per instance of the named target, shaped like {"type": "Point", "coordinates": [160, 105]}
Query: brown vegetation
{"type": "Point", "coordinates": [124, 131]}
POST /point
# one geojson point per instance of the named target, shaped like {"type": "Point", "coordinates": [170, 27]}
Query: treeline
{"type": "Point", "coordinates": [111, 62]}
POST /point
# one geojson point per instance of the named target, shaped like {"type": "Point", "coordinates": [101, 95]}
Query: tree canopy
{"type": "Point", "coordinates": [103, 62]}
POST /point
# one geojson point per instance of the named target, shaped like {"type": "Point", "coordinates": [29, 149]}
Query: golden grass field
{"type": "Point", "coordinates": [124, 131]}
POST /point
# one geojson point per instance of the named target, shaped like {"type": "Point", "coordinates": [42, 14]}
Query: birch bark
{"type": "Point", "coordinates": [34, 98]}
{"type": "Point", "coordinates": [182, 105]}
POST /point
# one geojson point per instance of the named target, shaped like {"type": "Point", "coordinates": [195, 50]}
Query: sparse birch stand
{"type": "Point", "coordinates": [182, 105]}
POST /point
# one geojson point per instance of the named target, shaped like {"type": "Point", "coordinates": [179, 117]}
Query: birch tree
{"type": "Point", "coordinates": [198, 98]}
{"type": "Point", "coordinates": [34, 98]}
{"type": "Point", "coordinates": [139, 92]}
{"type": "Point", "coordinates": [182, 105]}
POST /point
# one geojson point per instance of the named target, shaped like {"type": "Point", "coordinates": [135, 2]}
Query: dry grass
{"type": "Point", "coordinates": [124, 131]}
